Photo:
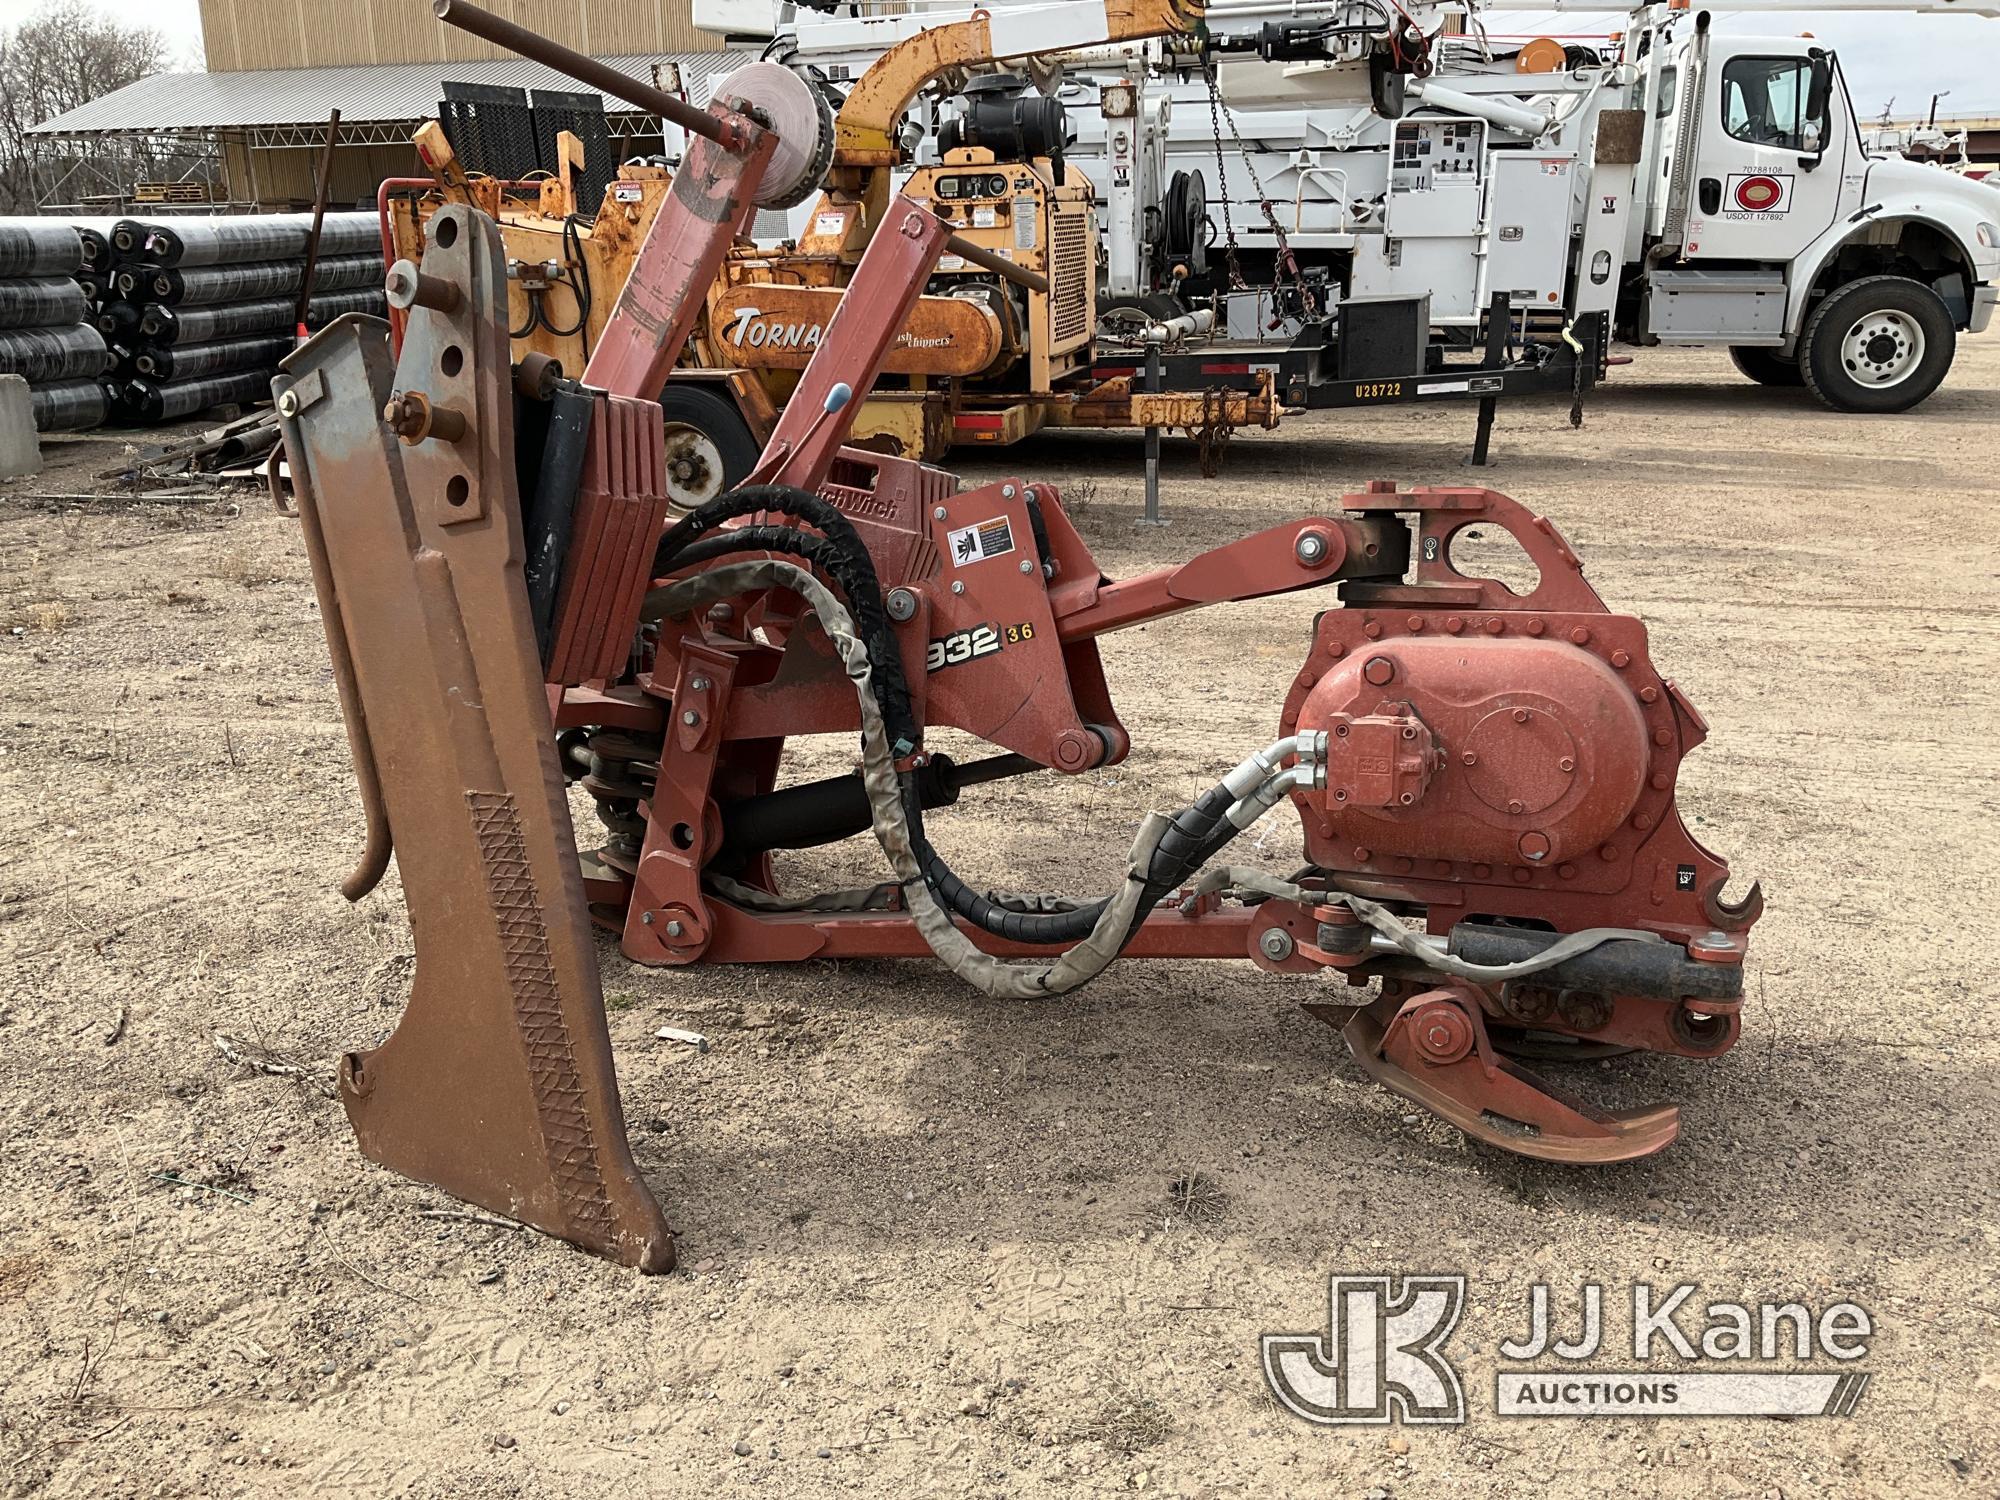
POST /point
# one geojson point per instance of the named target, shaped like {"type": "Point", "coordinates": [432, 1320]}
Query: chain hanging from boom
{"type": "Point", "coordinates": [1286, 263]}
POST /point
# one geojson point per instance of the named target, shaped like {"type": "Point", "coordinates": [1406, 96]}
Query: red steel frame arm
{"type": "Point", "coordinates": [1297, 555]}
{"type": "Point", "coordinates": [872, 311]}
{"type": "Point", "coordinates": [877, 302]}
{"type": "Point", "coordinates": [710, 203]}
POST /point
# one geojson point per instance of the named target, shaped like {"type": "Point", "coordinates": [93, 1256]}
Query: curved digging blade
{"type": "Point", "coordinates": [1499, 1102]}
{"type": "Point", "coordinates": [498, 1084]}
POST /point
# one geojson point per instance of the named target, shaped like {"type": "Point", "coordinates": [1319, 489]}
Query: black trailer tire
{"type": "Point", "coordinates": [1880, 344]}
{"type": "Point", "coordinates": [1766, 366]}
{"type": "Point", "coordinates": [709, 446]}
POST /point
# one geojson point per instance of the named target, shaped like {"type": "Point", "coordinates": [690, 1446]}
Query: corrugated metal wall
{"type": "Point", "coordinates": [248, 34]}
{"type": "Point", "coordinates": [284, 179]}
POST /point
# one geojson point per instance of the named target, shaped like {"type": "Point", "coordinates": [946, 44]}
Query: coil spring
{"type": "Point", "coordinates": [619, 772]}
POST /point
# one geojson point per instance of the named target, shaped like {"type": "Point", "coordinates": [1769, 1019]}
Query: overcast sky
{"type": "Point", "coordinates": [1906, 58]}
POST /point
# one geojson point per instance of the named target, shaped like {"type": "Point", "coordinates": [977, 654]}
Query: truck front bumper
{"type": "Point", "coordinates": [1984, 300]}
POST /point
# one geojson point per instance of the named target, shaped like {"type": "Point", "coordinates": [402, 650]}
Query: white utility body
{"type": "Point", "coordinates": [1696, 186]}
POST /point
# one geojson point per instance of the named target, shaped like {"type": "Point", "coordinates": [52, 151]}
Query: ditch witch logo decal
{"type": "Point", "coordinates": [1383, 1357]}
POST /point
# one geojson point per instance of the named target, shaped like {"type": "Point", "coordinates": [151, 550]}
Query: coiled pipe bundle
{"type": "Point", "coordinates": [163, 362]}
{"type": "Point", "coordinates": [211, 285]}
{"type": "Point", "coordinates": [254, 237]}
{"type": "Point", "coordinates": [39, 247]}
{"type": "Point", "coordinates": [40, 355]}
{"type": "Point", "coordinates": [148, 401]}
{"type": "Point", "coordinates": [42, 302]}
{"type": "Point", "coordinates": [69, 405]}
{"type": "Point", "coordinates": [160, 324]}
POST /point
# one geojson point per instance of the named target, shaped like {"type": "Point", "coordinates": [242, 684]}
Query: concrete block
{"type": "Point", "coordinates": [20, 447]}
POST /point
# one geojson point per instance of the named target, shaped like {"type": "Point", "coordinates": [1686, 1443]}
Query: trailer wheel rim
{"type": "Point", "coordinates": [1883, 348]}
{"type": "Point", "coordinates": [694, 466]}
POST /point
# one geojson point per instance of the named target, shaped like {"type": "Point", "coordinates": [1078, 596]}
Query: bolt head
{"type": "Point", "coordinates": [690, 718]}
{"type": "Point", "coordinates": [1027, 565]}
{"type": "Point", "coordinates": [1276, 944]}
{"type": "Point", "coordinates": [288, 404]}
{"type": "Point", "coordinates": [673, 929]}
{"type": "Point", "coordinates": [1379, 672]}
{"type": "Point", "coordinates": [1310, 548]}
{"type": "Point", "coordinates": [901, 604]}
{"type": "Point", "coordinates": [699, 684]}
{"type": "Point", "coordinates": [938, 514]}
{"type": "Point", "coordinates": [958, 587]}
{"type": "Point", "coordinates": [646, 918]}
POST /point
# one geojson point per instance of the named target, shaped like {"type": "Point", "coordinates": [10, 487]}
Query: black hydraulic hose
{"type": "Point", "coordinates": [855, 574]}
{"type": "Point", "coordinates": [1195, 836]}
{"type": "Point", "coordinates": [1197, 833]}
{"type": "Point", "coordinates": [892, 688]}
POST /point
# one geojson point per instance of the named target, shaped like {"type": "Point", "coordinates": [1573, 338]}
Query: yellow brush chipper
{"type": "Point", "coordinates": [980, 360]}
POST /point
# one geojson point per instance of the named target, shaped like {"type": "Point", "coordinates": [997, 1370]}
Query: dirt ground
{"type": "Point", "coordinates": [928, 1243]}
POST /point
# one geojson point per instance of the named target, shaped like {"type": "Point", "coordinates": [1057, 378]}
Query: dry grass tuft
{"type": "Point", "coordinates": [1196, 1198]}
{"type": "Point", "coordinates": [239, 566]}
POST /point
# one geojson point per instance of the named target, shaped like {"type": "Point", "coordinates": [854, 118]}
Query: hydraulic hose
{"type": "Point", "coordinates": [1187, 841]}
{"type": "Point", "coordinates": [1120, 915]}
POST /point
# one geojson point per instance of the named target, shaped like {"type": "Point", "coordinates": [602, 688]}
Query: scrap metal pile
{"type": "Point", "coordinates": [1486, 780]}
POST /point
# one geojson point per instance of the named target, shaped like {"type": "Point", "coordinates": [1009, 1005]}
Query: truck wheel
{"type": "Point", "coordinates": [1880, 344]}
{"type": "Point", "coordinates": [1766, 366]}
{"type": "Point", "coordinates": [709, 446]}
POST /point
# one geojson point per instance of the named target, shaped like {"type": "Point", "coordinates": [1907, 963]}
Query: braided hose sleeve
{"type": "Point", "coordinates": [1419, 946]}
{"type": "Point", "coordinates": [1121, 912]}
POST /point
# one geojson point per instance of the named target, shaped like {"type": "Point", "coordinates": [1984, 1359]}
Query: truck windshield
{"type": "Point", "coordinates": [1773, 101]}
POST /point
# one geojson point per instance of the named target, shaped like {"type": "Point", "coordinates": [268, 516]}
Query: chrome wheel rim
{"type": "Point", "coordinates": [1883, 348]}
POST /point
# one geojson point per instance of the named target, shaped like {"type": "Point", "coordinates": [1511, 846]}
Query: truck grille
{"type": "Point", "coordinates": [1069, 277]}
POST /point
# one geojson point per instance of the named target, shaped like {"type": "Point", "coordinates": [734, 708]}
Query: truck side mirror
{"type": "Point", "coordinates": [1813, 129]}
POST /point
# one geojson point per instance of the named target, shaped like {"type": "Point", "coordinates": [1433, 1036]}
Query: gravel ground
{"type": "Point", "coordinates": [931, 1245]}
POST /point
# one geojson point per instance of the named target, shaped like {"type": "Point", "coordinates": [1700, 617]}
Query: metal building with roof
{"type": "Point", "coordinates": [250, 130]}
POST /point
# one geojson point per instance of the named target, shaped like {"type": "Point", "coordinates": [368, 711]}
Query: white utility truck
{"type": "Point", "coordinates": [1691, 185]}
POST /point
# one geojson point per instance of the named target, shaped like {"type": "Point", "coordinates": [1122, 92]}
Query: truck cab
{"type": "Point", "coordinates": [1771, 229]}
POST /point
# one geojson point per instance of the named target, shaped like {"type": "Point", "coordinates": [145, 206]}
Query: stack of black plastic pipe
{"type": "Point", "coordinates": [198, 311]}
{"type": "Point", "coordinates": [47, 334]}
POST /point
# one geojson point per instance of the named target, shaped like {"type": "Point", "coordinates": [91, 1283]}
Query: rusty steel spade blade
{"type": "Point", "coordinates": [498, 1084]}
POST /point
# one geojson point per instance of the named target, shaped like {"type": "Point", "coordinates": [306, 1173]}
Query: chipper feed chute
{"type": "Point", "coordinates": [1486, 779]}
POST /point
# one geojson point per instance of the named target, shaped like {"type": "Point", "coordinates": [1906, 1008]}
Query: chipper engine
{"type": "Point", "coordinates": [1486, 779]}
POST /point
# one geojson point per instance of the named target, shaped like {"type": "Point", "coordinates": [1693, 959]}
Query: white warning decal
{"type": "Point", "coordinates": [971, 544]}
